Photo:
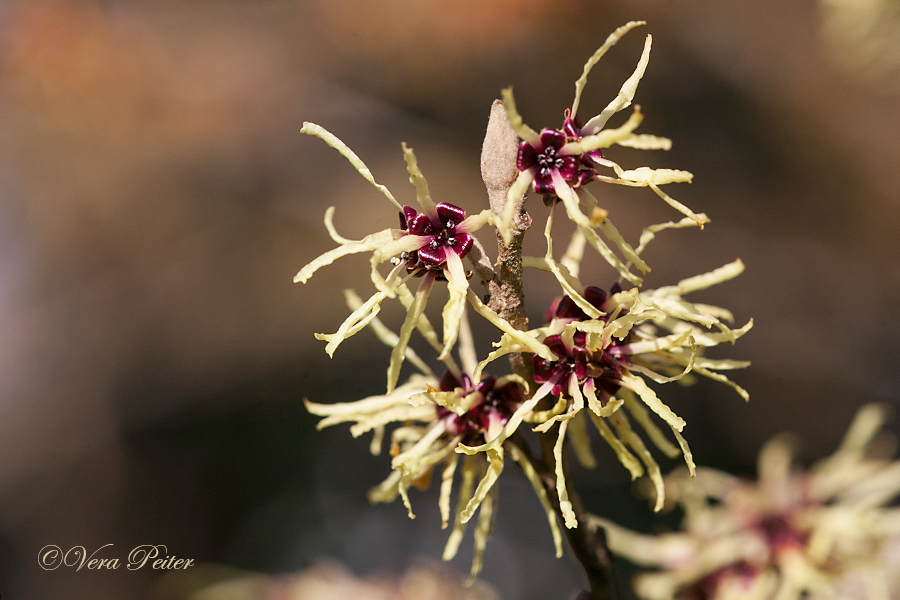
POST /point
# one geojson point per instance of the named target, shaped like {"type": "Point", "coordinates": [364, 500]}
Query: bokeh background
{"type": "Point", "coordinates": [156, 198]}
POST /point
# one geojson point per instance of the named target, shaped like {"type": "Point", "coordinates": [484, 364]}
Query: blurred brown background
{"type": "Point", "coordinates": [156, 197]}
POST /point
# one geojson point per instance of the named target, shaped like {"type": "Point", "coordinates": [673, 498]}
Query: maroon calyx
{"type": "Point", "coordinates": [495, 404]}
{"type": "Point", "coordinates": [442, 236]}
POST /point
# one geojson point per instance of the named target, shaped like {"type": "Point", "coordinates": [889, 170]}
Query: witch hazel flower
{"type": "Point", "coordinates": [600, 351]}
{"type": "Point", "coordinates": [558, 163]}
{"type": "Point", "coordinates": [433, 417]}
{"type": "Point", "coordinates": [430, 245]}
{"type": "Point", "coordinates": [825, 533]}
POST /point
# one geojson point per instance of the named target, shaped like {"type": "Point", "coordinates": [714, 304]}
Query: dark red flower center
{"type": "Point", "coordinates": [442, 236]}
{"type": "Point", "coordinates": [497, 403]}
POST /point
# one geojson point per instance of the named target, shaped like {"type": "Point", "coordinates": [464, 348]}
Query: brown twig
{"type": "Point", "coordinates": [507, 298]}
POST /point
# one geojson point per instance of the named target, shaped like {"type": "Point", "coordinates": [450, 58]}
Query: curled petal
{"type": "Point", "coordinates": [469, 472]}
{"type": "Point", "coordinates": [412, 318]}
{"type": "Point", "coordinates": [367, 244]}
{"type": "Point", "coordinates": [637, 385]}
{"type": "Point", "coordinates": [495, 467]}
{"type": "Point", "coordinates": [541, 492]}
{"type": "Point", "coordinates": [614, 37]}
{"type": "Point", "coordinates": [626, 94]}
{"type": "Point", "coordinates": [515, 119]}
{"type": "Point", "coordinates": [333, 141]}
{"type": "Point", "coordinates": [418, 180]}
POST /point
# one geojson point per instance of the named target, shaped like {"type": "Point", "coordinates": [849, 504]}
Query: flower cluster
{"type": "Point", "coordinates": [595, 362]}
{"type": "Point", "coordinates": [435, 416]}
{"type": "Point", "coordinates": [825, 533]}
{"type": "Point", "coordinates": [599, 350]}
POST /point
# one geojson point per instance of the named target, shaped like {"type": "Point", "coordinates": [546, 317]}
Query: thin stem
{"type": "Point", "coordinates": [507, 298]}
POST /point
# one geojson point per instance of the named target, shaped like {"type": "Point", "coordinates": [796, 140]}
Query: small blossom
{"type": "Point", "coordinates": [430, 244]}
{"type": "Point", "coordinates": [825, 533]}
{"type": "Point", "coordinates": [558, 163]}
{"type": "Point", "coordinates": [447, 234]}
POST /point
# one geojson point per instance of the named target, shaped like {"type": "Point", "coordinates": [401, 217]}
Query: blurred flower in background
{"type": "Point", "coordinates": [827, 533]}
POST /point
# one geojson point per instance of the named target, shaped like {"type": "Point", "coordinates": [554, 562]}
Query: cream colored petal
{"type": "Point", "coordinates": [482, 532]}
{"type": "Point", "coordinates": [456, 302]}
{"type": "Point", "coordinates": [406, 243]}
{"type": "Point", "coordinates": [447, 475]}
{"type": "Point", "coordinates": [678, 205]}
{"type": "Point", "coordinates": [514, 334]}
{"type": "Point", "coordinates": [645, 141]}
{"type": "Point", "coordinates": [626, 434]}
{"type": "Point", "coordinates": [515, 119]}
{"type": "Point", "coordinates": [605, 138]}
{"type": "Point", "coordinates": [412, 317]}
{"type": "Point", "coordinates": [538, 487]}
{"type": "Point", "coordinates": [565, 506]}
{"type": "Point", "coordinates": [397, 414]}
{"type": "Point", "coordinates": [574, 253]}
{"type": "Point", "coordinates": [648, 176]}
{"type": "Point", "coordinates": [648, 396]}
{"type": "Point", "coordinates": [368, 244]}
{"type": "Point", "coordinates": [357, 321]}
{"type": "Point", "coordinates": [625, 457]}
{"type": "Point", "coordinates": [656, 377]}
{"type": "Point", "coordinates": [467, 353]}
{"type": "Point", "coordinates": [612, 405]}
{"type": "Point", "coordinates": [495, 467]}
{"type": "Point", "coordinates": [385, 335]}
{"type": "Point", "coordinates": [647, 550]}
{"type": "Point", "coordinates": [475, 222]}
{"type": "Point", "coordinates": [705, 280]}
{"type": "Point", "coordinates": [613, 235]}
{"type": "Point", "coordinates": [570, 290]}
{"type": "Point", "coordinates": [423, 196]}
{"type": "Point", "coordinates": [466, 487]}
{"type": "Point", "coordinates": [540, 416]}
{"type": "Point", "coordinates": [570, 202]}
{"type": "Point", "coordinates": [329, 225]}
{"type": "Point", "coordinates": [377, 440]}
{"type": "Point", "coordinates": [723, 379]}
{"type": "Point", "coordinates": [420, 448]}
{"type": "Point", "coordinates": [640, 414]}
{"type": "Point", "coordinates": [333, 141]}
{"type": "Point", "coordinates": [649, 233]}
{"type": "Point", "coordinates": [514, 421]}
{"type": "Point", "coordinates": [626, 94]}
{"type": "Point", "coordinates": [614, 37]}
{"type": "Point", "coordinates": [581, 443]}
